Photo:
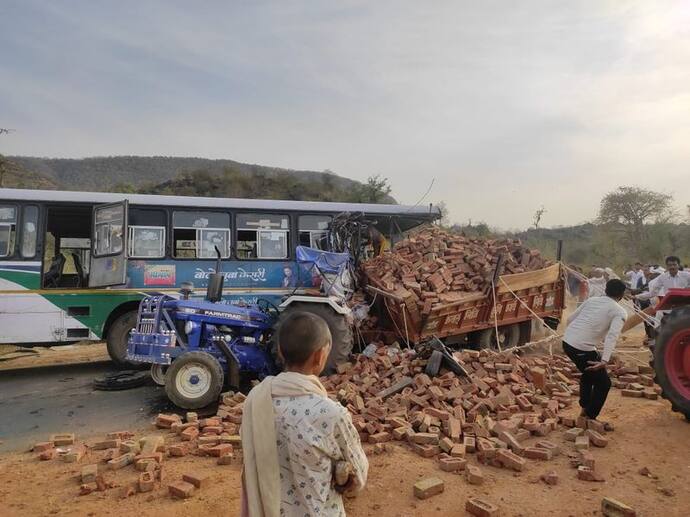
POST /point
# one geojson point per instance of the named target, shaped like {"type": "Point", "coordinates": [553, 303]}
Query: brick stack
{"type": "Point", "coordinates": [434, 266]}
{"type": "Point", "coordinates": [506, 400]}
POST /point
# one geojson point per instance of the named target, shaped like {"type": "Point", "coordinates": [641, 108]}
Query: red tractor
{"type": "Point", "coordinates": [671, 359]}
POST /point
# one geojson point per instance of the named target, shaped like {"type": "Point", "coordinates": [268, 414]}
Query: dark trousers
{"type": "Point", "coordinates": [594, 386]}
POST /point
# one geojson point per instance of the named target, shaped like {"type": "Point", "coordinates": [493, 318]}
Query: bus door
{"type": "Point", "coordinates": [109, 245]}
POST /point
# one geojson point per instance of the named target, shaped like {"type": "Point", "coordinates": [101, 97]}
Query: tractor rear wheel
{"type": "Point", "coordinates": [341, 331]}
{"type": "Point", "coordinates": [671, 359]}
{"type": "Point", "coordinates": [194, 380]}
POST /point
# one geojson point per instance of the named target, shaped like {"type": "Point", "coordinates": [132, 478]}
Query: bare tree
{"type": "Point", "coordinates": [537, 217]}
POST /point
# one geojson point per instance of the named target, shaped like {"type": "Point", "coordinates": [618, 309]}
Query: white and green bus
{"type": "Point", "coordinates": [74, 265]}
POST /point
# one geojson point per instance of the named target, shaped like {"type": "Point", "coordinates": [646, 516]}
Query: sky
{"type": "Point", "coordinates": [505, 106]}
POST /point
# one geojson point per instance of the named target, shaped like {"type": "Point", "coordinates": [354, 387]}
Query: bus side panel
{"type": "Point", "coordinates": [27, 318]}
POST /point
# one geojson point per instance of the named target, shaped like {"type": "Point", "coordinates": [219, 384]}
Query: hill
{"type": "Point", "coordinates": [185, 176]}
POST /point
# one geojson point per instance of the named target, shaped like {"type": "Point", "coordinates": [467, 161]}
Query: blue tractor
{"type": "Point", "coordinates": [195, 346]}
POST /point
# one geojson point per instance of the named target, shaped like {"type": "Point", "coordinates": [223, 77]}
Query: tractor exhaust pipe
{"type": "Point", "coordinates": [214, 292]}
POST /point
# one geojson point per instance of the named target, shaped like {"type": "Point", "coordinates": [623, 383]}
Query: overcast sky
{"type": "Point", "coordinates": [508, 105]}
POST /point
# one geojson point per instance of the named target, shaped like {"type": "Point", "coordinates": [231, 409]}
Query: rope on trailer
{"type": "Point", "coordinates": [553, 332]}
{"type": "Point", "coordinates": [493, 292]}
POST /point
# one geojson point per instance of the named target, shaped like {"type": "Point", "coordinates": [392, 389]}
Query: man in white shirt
{"type": "Point", "coordinates": [673, 278]}
{"type": "Point", "coordinates": [598, 319]}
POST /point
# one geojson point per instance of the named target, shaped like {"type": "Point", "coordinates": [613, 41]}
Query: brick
{"type": "Point", "coordinates": [632, 393]}
{"type": "Point", "coordinates": [178, 450]}
{"type": "Point", "coordinates": [399, 433]}
{"type": "Point", "coordinates": [181, 489]}
{"type": "Point", "coordinates": [122, 461]}
{"type": "Point", "coordinates": [63, 439]}
{"type": "Point", "coordinates": [550, 478]}
{"type": "Point", "coordinates": [512, 442]}
{"type": "Point", "coordinates": [581, 422]}
{"type": "Point", "coordinates": [469, 443]}
{"type": "Point", "coordinates": [426, 451]}
{"type": "Point", "coordinates": [425, 439]}
{"type": "Point", "coordinates": [596, 439]}
{"type": "Point", "coordinates": [588, 474]}
{"type": "Point", "coordinates": [380, 437]}
{"type": "Point", "coordinates": [452, 464]}
{"type": "Point", "coordinates": [474, 475]}
{"type": "Point", "coordinates": [122, 435]}
{"type": "Point", "coordinates": [582, 442]}
{"type": "Point", "coordinates": [446, 444]}
{"type": "Point", "coordinates": [189, 434]}
{"type": "Point", "coordinates": [48, 454]}
{"type": "Point", "coordinates": [612, 508]}
{"type": "Point", "coordinates": [536, 453]}
{"type": "Point", "coordinates": [213, 429]}
{"type": "Point", "coordinates": [151, 444]}
{"type": "Point", "coordinates": [572, 434]}
{"type": "Point", "coordinates": [113, 443]}
{"type": "Point", "coordinates": [86, 489]}
{"type": "Point", "coordinates": [481, 507]}
{"type": "Point", "coordinates": [42, 446]}
{"type": "Point", "coordinates": [146, 481]}
{"type": "Point", "coordinates": [226, 459]}
{"type": "Point", "coordinates": [147, 464]}
{"type": "Point", "coordinates": [199, 480]}
{"type": "Point", "coordinates": [428, 487]}
{"type": "Point", "coordinates": [458, 451]}
{"type": "Point", "coordinates": [74, 453]}
{"type": "Point", "coordinates": [510, 460]}
{"type": "Point", "coordinates": [210, 422]}
{"type": "Point", "coordinates": [130, 446]}
{"type": "Point", "coordinates": [166, 421]}
{"type": "Point", "coordinates": [538, 377]}
{"type": "Point", "coordinates": [191, 417]}
{"type": "Point", "coordinates": [111, 454]}
{"type": "Point", "coordinates": [220, 450]}
{"type": "Point", "coordinates": [650, 394]}
{"type": "Point", "coordinates": [587, 459]}
{"type": "Point", "coordinates": [89, 473]}
{"type": "Point", "coordinates": [213, 440]}
{"type": "Point", "coordinates": [545, 444]}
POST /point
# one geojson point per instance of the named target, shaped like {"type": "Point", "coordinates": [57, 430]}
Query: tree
{"type": "Point", "coordinates": [375, 190]}
{"type": "Point", "coordinates": [537, 216]}
{"type": "Point", "coordinates": [630, 209]}
{"type": "Point", "coordinates": [444, 221]}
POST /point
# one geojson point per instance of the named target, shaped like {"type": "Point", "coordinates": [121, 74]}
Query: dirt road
{"type": "Point", "coordinates": [647, 435]}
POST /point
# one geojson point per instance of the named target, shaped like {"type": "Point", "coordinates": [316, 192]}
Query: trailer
{"type": "Point", "coordinates": [500, 317]}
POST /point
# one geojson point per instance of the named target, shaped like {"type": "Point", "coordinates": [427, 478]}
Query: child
{"type": "Point", "coordinates": [293, 435]}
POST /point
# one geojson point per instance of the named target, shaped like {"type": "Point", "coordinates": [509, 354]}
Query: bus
{"type": "Point", "coordinates": [75, 265]}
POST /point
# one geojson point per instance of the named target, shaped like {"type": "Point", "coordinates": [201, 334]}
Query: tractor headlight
{"type": "Point", "coordinates": [189, 327]}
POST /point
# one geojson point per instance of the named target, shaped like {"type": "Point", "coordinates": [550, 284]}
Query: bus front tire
{"type": "Point", "coordinates": [116, 341]}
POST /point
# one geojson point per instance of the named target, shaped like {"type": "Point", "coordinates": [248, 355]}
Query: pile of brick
{"type": "Point", "coordinates": [216, 437]}
{"type": "Point", "coordinates": [435, 266]}
{"type": "Point", "coordinates": [505, 400]}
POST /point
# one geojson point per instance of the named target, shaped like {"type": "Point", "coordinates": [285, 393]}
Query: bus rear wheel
{"type": "Point", "coordinates": [341, 331]}
{"type": "Point", "coordinates": [116, 341]}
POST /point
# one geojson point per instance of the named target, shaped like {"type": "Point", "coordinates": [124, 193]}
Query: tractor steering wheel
{"type": "Point", "coordinates": [268, 308]}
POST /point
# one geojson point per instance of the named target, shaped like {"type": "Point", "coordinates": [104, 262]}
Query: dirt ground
{"type": "Point", "coordinates": [648, 434]}
{"type": "Point", "coordinates": [86, 352]}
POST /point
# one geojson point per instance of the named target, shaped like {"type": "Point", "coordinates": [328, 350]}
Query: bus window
{"type": "Point", "coordinates": [29, 231]}
{"type": "Point", "coordinates": [263, 236]}
{"type": "Point", "coordinates": [8, 222]}
{"type": "Point", "coordinates": [197, 234]}
{"type": "Point", "coordinates": [146, 233]}
{"type": "Point", "coordinates": [313, 231]}
{"type": "Point", "coordinates": [109, 231]}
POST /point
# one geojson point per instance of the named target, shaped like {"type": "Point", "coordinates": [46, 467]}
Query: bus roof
{"type": "Point", "coordinates": [420, 212]}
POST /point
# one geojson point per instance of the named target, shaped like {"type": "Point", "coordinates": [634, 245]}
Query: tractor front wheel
{"type": "Point", "coordinates": [671, 360]}
{"type": "Point", "coordinates": [194, 380]}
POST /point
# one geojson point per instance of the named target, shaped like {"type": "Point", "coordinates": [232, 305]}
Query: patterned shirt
{"type": "Point", "coordinates": [314, 433]}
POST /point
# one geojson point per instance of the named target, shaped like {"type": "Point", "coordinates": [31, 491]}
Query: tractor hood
{"type": "Point", "coordinates": [220, 311]}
